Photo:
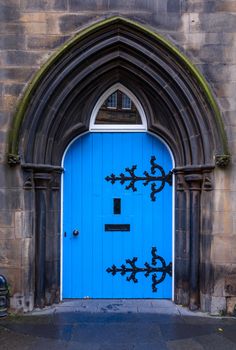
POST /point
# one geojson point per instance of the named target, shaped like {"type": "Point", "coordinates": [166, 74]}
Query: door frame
{"type": "Point", "coordinates": [113, 130]}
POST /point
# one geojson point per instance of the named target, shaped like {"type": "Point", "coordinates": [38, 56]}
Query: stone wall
{"type": "Point", "coordinates": [31, 30]}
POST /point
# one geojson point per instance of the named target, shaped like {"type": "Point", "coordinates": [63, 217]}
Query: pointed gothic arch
{"type": "Point", "coordinates": [179, 107]}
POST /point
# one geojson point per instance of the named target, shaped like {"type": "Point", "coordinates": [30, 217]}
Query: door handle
{"type": "Point", "coordinates": [75, 233]}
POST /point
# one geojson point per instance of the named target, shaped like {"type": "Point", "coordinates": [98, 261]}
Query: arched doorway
{"type": "Point", "coordinates": [121, 219]}
{"type": "Point", "coordinates": [180, 109]}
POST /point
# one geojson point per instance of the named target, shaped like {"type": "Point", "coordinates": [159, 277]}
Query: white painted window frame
{"type": "Point", "coordinates": [117, 127]}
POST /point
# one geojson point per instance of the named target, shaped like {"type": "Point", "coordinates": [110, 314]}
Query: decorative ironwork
{"type": "Point", "coordinates": [153, 178]}
{"type": "Point", "coordinates": [147, 270]}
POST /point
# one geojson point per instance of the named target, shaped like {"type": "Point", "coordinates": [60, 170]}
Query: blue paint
{"type": "Point", "coordinates": [88, 206]}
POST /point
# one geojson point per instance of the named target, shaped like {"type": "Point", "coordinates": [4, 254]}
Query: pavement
{"type": "Point", "coordinates": [117, 325]}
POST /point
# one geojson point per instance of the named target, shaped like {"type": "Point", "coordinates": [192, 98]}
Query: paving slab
{"type": "Point", "coordinates": [116, 325]}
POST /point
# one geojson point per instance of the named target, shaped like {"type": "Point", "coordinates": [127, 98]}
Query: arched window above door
{"type": "Point", "coordinates": [118, 109]}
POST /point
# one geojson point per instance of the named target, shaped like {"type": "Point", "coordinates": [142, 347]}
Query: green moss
{"type": "Point", "coordinates": [23, 104]}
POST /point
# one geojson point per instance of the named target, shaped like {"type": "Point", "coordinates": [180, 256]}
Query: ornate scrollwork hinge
{"type": "Point", "coordinates": [132, 178]}
{"type": "Point", "coordinates": [147, 270]}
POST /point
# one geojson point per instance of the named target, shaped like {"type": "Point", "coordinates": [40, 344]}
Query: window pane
{"type": "Point", "coordinates": [118, 109]}
{"type": "Point", "coordinates": [126, 102]}
{"type": "Point", "coordinates": [111, 102]}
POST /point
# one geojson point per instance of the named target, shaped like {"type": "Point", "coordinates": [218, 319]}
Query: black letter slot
{"type": "Point", "coordinates": [116, 205]}
{"type": "Point", "coordinates": [117, 227]}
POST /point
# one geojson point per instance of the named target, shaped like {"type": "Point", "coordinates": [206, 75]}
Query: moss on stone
{"type": "Point", "coordinates": [24, 102]}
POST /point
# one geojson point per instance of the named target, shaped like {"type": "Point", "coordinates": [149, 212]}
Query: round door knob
{"type": "Point", "coordinates": [75, 233]}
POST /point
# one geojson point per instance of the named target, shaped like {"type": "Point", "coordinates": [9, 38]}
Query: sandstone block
{"type": "Point", "coordinates": [10, 10]}
{"type": "Point", "coordinates": [20, 58]}
{"type": "Point", "coordinates": [24, 224]}
{"type": "Point", "coordinates": [44, 5]}
{"type": "Point", "coordinates": [14, 278]}
{"type": "Point", "coordinates": [71, 22]}
{"type": "Point", "coordinates": [12, 41]}
{"type": "Point", "coordinates": [6, 233]}
{"type": "Point", "coordinates": [223, 224]}
{"type": "Point", "coordinates": [10, 252]}
{"type": "Point", "coordinates": [6, 218]}
{"type": "Point", "coordinates": [231, 306]}
{"type": "Point", "coordinates": [215, 22]}
{"type": "Point", "coordinates": [230, 285]}
{"type": "Point", "coordinates": [11, 199]}
{"type": "Point", "coordinates": [218, 305]}
{"type": "Point", "coordinates": [221, 249]}
{"type": "Point", "coordinates": [209, 6]}
{"type": "Point", "coordinates": [16, 74]}
{"type": "Point", "coordinates": [40, 42]}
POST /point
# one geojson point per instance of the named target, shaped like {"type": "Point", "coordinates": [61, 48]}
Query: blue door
{"type": "Point", "coordinates": [117, 217]}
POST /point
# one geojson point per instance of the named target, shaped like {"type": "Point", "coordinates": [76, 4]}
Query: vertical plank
{"type": "Point", "coordinates": [88, 206]}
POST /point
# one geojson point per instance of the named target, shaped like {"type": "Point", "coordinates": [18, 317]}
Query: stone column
{"type": "Point", "coordinates": [182, 240]}
{"type": "Point", "coordinates": [195, 187]}
{"type": "Point", "coordinates": [52, 276]}
{"type": "Point", "coordinates": [41, 181]}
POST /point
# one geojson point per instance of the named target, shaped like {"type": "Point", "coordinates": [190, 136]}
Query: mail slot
{"type": "Point", "coordinates": [117, 227]}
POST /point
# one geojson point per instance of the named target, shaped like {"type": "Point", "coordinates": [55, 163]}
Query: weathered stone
{"type": "Point", "coordinates": [218, 305]}
{"type": "Point", "coordinates": [12, 42]}
{"type": "Point", "coordinates": [20, 58]}
{"type": "Point", "coordinates": [8, 28]}
{"type": "Point", "coordinates": [217, 53]}
{"type": "Point", "coordinates": [45, 42]}
{"type": "Point", "coordinates": [6, 233]}
{"type": "Point", "coordinates": [231, 306]}
{"type": "Point", "coordinates": [174, 6]}
{"type": "Point", "coordinates": [105, 5]}
{"type": "Point", "coordinates": [9, 178]}
{"type": "Point", "coordinates": [41, 23]}
{"type": "Point", "coordinates": [10, 252]}
{"type": "Point", "coordinates": [23, 224]}
{"type": "Point", "coordinates": [11, 199]}
{"type": "Point", "coordinates": [6, 218]}
{"type": "Point", "coordinates": [209, 6]}
{"type": "Point", "coordinates": [213, 22]}
{"type": "Point", "coordinates": [71, 22]}
{"type": "Point", "coordinates": [19, 74]}
{"type": "Point", "coordinates": [219, 72]}
{"type": "Point", "coordinates": [9, 103]}
{"type": "Point", "coordinates": [182, 250]}
{"type": "Point", "coordinates": [230, 285]}
{"type": "Point", "coordinates": [44, 5]}
{"type": "Point", "coordinates": [27, 252]}
{"type": "Point", "coordinates": [14, 278]}
{"type": "Point", "coordinates": [224, 224]}
{"type": "Point", "coordinates": [5, 120]}
{"type": "Point", "coordinates": [10, 10]}
{"type": "Point", "coordinates": [225, 89]}
{"type": "Point", "coordinates": [222, 252]}
{"type": "Point", "coordinates": [13, 89]}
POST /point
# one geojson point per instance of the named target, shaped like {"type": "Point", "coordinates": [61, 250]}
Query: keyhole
{"type": "Point", "coordinates": [116, 205]}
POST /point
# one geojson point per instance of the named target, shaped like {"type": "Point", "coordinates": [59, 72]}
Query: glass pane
{"type": "Point", "coordinates": [126, 102]}
{"type": "Point", "coordinates": [118, 109]}
{"type": "Point", "coordinates": [111, 102]}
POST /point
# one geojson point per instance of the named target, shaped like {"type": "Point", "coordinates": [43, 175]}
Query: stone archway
{"type": "Point", "coordinates": [179, 107]}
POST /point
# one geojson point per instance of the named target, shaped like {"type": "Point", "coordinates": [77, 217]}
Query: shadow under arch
{"type": "Point", "coordinates": [179, 107]}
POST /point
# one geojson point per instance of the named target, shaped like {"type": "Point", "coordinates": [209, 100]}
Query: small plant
{"type": "Point", "coordinates": [223, 312]}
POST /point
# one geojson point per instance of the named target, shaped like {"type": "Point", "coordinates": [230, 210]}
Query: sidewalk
{"type": "Point", "coordinates": [117, 325]}
{"type": "Point", "coordinates": [148, 306]}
